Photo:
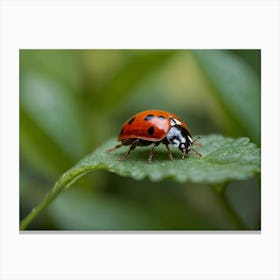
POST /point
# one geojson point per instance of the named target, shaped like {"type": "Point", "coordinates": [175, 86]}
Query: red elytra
{"type": "Point", "coordinates": [153, 127]}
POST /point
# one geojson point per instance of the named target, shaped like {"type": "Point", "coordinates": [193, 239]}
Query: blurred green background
{"type": "Point", "coordinates": [71, 101]}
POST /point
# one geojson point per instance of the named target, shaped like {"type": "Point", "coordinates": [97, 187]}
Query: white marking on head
{"type": "Point", "coordinates": [172, 122]}
{"type": "Point", "coordinates": [177, 122]}
{"type": "Point", "coordinates": [183, 140]}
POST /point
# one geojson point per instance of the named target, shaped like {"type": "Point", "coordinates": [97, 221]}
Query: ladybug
{"type": "Point", "coordinates": [153, 127]}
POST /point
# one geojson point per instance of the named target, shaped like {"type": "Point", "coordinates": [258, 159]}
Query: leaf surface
{"type": "Point", "coordinates": [223, 159]}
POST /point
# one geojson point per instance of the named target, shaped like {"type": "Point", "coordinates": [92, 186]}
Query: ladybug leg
{"type": "Point", "coordinates": [131, 148]}
{"type": "Point", "coordinates": [197, 144]}
{"type": "Point", "coordinates": [197, 153]}
{"type": "Point", "coordinates": [152, 153]}
{"type": "Point", "coordinates": [169, 152]}
{"type": "Point", "coordinates": [112, 149]}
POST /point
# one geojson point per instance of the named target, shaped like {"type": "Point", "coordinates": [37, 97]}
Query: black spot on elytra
{"type": "Point", "coordinates": [149, 117]}
{"type": "Point", "coordinates": [131, 120]}
{"type": "Point", "coordinates": [161, 118]}
{"type": "Point", "coordinates": [151, 130]}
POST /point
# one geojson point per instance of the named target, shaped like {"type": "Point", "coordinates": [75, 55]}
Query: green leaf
{"type": "Point", "coordinates": [223, 159]}
{"type": "Point", "coordinates": [237, 87]}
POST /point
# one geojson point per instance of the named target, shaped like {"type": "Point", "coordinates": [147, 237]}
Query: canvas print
{"type": "Point", "coordinates": [140, 140]}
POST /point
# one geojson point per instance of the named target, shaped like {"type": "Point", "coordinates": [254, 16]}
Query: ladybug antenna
{"type": "Point", "coordinates": [197, 144]}
{"type": "Point", "coordinates": [196, 139]}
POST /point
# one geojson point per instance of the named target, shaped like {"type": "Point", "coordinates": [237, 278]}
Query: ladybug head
{"type": "Point", "coordinates": [180, 138]}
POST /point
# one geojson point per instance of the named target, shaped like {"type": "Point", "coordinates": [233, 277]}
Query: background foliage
{"type": "Point", "coordinates": [71, 101]}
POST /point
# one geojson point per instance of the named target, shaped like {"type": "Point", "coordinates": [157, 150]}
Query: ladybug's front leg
{"type": "Point", "coordinates": [169, 152]}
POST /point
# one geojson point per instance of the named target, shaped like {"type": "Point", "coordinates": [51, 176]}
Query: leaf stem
{"type": "Point", "coordinates": [220, 190]}
{"type": "Point", "coordinates": [64, 181]}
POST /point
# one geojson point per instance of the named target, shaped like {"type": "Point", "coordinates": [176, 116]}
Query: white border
{"type": "Point", "coordinates": [135, 24]}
